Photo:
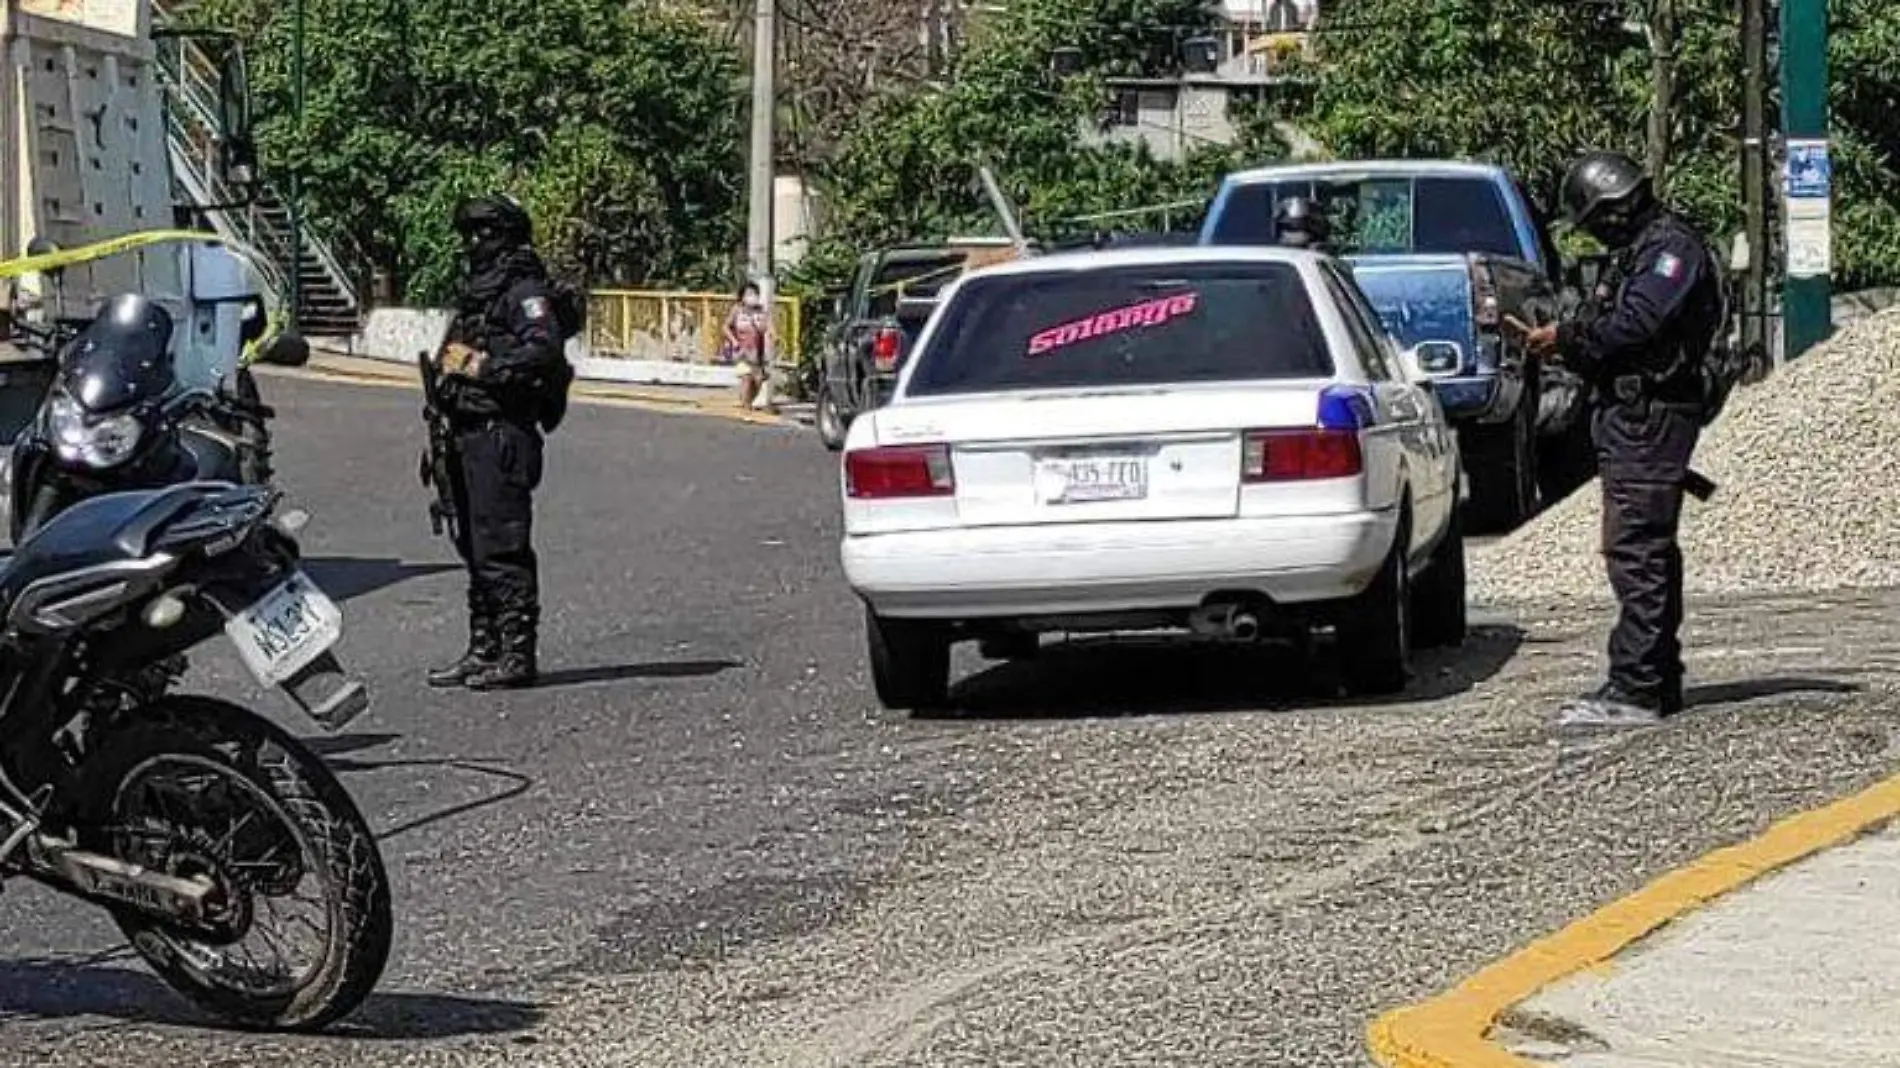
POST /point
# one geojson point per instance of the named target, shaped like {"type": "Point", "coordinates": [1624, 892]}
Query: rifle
{"type": "Point", "coordinates": [439, 462]}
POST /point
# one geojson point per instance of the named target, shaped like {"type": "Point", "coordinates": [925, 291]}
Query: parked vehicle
{"type": "Point", "coordinates": [1445, 251]}
{"type": "Point", "coordinates": [1114, 441]}
{"type": "Point", "coordinates": [117, 416]}
{"type": "Point", "coordinates": [878, 321]}
{"type": "Point", "coordinates": [223, 848]}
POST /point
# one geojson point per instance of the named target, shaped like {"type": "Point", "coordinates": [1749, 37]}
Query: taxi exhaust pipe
{"type": "Point", "coordinates": [1228, 622]}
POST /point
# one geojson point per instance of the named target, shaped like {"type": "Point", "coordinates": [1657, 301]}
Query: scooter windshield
{"type": "Point", "coordinates": [122, 358]}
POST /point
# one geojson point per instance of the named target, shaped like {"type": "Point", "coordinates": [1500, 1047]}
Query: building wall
{"type": "Point", "coordinates": [1174, 117]}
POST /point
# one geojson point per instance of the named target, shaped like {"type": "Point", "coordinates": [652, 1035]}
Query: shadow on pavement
{"type": "Point", "coordinates": [1724, 693]}
{"type": "Point", "coordinates": [330, 745]}
{"type": "Point", "coordinates": [1159, 676]}
{"type": "Point", "coordinates": [516, 785]}
{"type": "Point", "coordinates": [54, 990]}
{"type": "Point", "coordinates": [346, 578]}
{"type": "Point", "coordinates": [676, 669]}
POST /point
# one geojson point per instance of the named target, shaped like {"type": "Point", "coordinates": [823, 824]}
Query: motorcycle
{"type": "Point", "coordinates": [234, 862]}
{"type": "Point", "coordinates": [117, 418]}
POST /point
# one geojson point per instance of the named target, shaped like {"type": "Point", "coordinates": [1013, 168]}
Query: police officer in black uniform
{"type": "Point", "coordinates": [501, 346]}
{"type": "Point", "coordinates": [1642, 354]}
{"type": "Point", "coordinates": [1298, 223]}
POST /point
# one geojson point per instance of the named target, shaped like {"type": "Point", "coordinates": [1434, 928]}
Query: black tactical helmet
{"type": "Point", "coordinates": [496, 216]}
{"type": "Point", "coordinates": [1605, 183]}
{"type": "Point", "coordinates": [1299, 224]}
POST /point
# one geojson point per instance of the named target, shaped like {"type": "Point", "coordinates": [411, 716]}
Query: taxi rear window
{"type": "Point", "coordinates": [1125, 326]}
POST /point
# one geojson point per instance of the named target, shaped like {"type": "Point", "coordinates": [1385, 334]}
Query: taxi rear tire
{"type": "Point", "coordinates": [910, 661]}
{"type": "Point", "coordinates": [1374, 640]}
{"type": "Point", "coordinates": [1440, 618]}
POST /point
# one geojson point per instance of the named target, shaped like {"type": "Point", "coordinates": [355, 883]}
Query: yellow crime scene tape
{"type": "Point", "coordinates": [119, 246]}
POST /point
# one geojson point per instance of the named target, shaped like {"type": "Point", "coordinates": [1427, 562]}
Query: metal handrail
{"type": "Point", "coordinates": [183, 72]}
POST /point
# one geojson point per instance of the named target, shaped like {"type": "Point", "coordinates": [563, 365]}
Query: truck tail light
{"type": "Point", "coordinates": [885, 348]}
{"type": "Point", "coordinates": [895, 471]}
{"type": "Point", "coordinates": [1299, 455]}
{"type": "Point", "coordinates": [1484, 293]}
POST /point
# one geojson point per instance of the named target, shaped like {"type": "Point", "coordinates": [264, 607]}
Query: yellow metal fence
{"type": "Point", "coordinates": [678, 327]}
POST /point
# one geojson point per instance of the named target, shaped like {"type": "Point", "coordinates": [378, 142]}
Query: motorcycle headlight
{"type": "Point", "coordinates": [96, 441]}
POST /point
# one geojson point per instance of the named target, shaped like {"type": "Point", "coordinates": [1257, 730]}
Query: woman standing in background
{"type": "Point", "coordinates": [743, 344]}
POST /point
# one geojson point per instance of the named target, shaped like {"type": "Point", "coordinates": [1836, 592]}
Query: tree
{"type": "Point", "coordinates": [906, 169]}
{"type": "Point", "coordinates": [1530, 84]}
{"type": "Point", "coordinates": [619, 125]}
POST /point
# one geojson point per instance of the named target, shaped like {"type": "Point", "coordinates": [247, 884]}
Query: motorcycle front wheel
{"type": "Point", "coordinates": [203, 789]}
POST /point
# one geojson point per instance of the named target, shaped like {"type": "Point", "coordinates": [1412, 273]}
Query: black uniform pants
{"type": "Point", "coordinates": [1643, 453]}
{"type": "Point", "coordinates": [500, 470]}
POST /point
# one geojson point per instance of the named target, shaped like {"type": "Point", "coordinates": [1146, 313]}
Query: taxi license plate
{"type": "Point", "coordinates": [1097, 478]}
{"type": "Point", "coordinates": [285, 630]}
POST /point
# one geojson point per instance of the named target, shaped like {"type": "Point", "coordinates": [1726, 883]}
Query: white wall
{"type": "Point", "coordinates": [398, 334]}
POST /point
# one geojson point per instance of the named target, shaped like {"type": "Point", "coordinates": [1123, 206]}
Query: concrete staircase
{"type": "Point", "coordinates": [330, 278]}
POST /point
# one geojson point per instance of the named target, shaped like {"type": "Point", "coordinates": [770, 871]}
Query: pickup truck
{"type": "Point", "coordinates": [1445, 251]}
{"type": "Point", "coordinates": [873, 327]}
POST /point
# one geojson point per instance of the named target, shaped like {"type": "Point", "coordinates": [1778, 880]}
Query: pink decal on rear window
{"type": "Point", "coordinates": [1147, 313]}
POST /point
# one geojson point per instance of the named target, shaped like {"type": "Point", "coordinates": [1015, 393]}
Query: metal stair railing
{"type": "Point", "coordinates": [191, 78]}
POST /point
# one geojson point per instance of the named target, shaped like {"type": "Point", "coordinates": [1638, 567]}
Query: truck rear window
{"type": "Point", "coordinates": [1124, 326]}
{"type": "Point", "coordinates": [1383, 216]}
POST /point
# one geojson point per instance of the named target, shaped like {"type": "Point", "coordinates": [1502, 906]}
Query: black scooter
{"type": "Point", "coordinates": [114, 419]}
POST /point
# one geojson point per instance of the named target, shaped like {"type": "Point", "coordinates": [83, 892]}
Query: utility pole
{"type": "Point", "coordinates": [1662, 77]}
{"type": "Point", "coordinates": [764, 107]}
{"type": "Point", "coordinates": [1807, 181]}
{"type": "Point", "coordinates": [1755, 176]}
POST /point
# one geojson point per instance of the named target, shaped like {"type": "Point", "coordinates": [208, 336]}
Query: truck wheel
{"type": "Point", "coordinates": [1439, 616]}
{"type": "Point", "coordinates": [1374, 643]}
{"type": "Point", "coordinates": [910, 662]}
{"type": "Point", "coordinates": [1501, 462]}
{"type": "Point", "coordinates": [831, 423]}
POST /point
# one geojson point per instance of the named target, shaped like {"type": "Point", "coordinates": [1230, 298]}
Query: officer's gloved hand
{"type": "Point", "coordinates": [462, 361]}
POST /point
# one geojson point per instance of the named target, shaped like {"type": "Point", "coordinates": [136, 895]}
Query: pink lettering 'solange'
{"type": "Point", "coordinates": [1147, 313]}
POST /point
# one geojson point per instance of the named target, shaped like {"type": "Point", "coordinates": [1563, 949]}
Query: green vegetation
{"type": "Point", "coordinates": [620, 125]}
{"type": "Point", "coordinates": [623, 125]}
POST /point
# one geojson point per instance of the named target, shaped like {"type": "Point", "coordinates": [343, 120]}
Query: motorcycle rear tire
{"type": "Point", "coordinates": [339, 851]}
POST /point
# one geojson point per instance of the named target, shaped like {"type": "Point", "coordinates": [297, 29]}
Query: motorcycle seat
{"type": "Point", "coordinates": [100, 530]}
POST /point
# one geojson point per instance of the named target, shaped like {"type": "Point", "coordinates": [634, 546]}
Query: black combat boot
{"type": "Point", "coordinates": [1613, 707]}
{"type": "Point", "coordinates": [515, 667]}
{"type": "Point", "coordinates": [484, 647]}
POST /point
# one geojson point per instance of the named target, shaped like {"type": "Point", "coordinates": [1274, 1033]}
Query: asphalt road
{"type": "Point", "coordinates": [701, 843]}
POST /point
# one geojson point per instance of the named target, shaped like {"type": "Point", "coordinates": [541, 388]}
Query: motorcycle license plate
{"type": "Point", "coordinates": [285, 630]}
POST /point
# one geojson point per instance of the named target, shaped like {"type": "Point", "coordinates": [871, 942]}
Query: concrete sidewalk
{"type": "Point", "coordinates": [1799, 968]}
{"type": "Point", "coordinates": [698, 400]}
{"type": "Point", "coordinates": [1775, 951]}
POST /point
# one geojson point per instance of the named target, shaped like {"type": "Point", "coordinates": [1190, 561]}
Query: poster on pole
{"type": "Point", "coordinates": [1810, 247]}
{"type": "Point", "coordinates": [1809, 172]}
{"type": "Point", "coordinates": [1808, 185]}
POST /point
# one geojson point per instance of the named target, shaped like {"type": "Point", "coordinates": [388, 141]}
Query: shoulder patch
{"type": "Point", "coordinates": [535, 308]}
{"type": "Point", "coordinates": [1668, 265]}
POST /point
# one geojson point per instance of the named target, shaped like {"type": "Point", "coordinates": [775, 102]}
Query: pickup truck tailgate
{"type": "Point", "coordinates": [1422, 298]}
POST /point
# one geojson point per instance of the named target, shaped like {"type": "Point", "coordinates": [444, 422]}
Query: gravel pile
{"type": "Point", "coordinates": [1808, 464]}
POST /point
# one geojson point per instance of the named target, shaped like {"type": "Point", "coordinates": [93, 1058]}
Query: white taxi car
{"type": "Point", "coordinates": [1223, 440]}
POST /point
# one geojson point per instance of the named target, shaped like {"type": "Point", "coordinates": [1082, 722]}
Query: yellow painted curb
{"type": "Point", "coordinates": [1449, 1030]}
{"type": "Point", "coordinates": [583, 394]}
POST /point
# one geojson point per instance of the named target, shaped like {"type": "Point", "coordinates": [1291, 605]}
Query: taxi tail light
{"type": "Point", "coordinates": [1299, 455]}
{"type": "Point", "coordinates": [897, 471]}
{"type": "Point", "coordinates": [886, 346]}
